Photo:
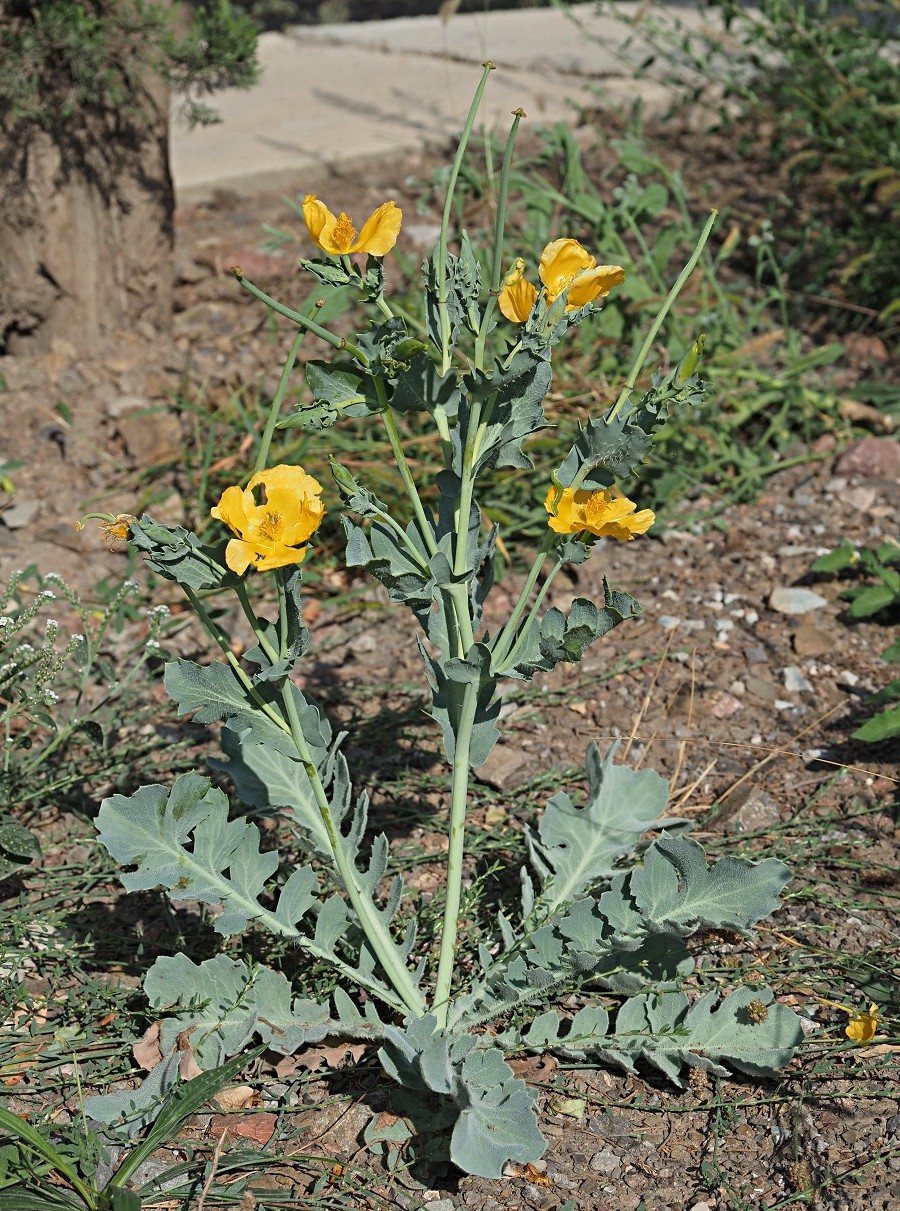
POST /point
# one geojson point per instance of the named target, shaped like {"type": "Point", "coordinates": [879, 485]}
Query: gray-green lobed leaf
{"type": "Point", "coordinates": [496, 1122]}
{"type": "Point", "coordinates": [182, 840]}
{"type": "Point", "coordinates": [676, 889]}
{"type": "Point", "coordinates": [574, 848]}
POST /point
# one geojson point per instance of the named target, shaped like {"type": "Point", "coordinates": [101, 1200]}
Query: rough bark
{"type": "Point", "coordinates": [86, 233]}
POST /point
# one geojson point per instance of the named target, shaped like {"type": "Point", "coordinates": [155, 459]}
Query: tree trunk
{"type": "Point", "coordinates": [86, 232]}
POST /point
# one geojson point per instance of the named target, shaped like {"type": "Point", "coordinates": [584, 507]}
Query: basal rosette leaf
{"type": "Point", "coordinates": [574, 1037]}
{"type": "Point", "coordinates": [676, 888]}
{"type": "Point", "coordinates": [668, 1032]}
{"type": "Point", "coordinates": [182, 840]}
{"type": "Point", "coordinates": [575, 848]}
{"type": "Point", "coordinates": [496, 1121]}
{"type": "Point", "coordinates": [220, 1004]}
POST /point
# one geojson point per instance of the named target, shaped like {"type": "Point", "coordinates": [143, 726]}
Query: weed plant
{"type": "Point", "coordinates": [812, 85]}
{"type": "Point", "coordinates": [878, 596]}
{"type": "Point", "coordinates": [602, 912]}
{"type": "Point", "coordinates": [62, 695]}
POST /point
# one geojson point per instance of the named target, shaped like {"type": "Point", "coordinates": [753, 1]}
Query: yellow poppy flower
{"type": "Point", "coordinates": [338, 236]}
{"type": "Point", "coordinates": [564, 266]}
{"type": "Point", "coordinates": [269, 533]}
{"type": "Point", "coordinates": [862, 1026]}
{"type": "Point", "coordinates": [604, 513]}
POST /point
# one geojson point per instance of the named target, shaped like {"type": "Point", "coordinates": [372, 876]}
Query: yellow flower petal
{"type": "Point", "coordinates": [338, 236]}
{"type": "Point", "coordinates": [320, 223]}
{"type": "Point", "coordinates": [380, 230]}
{"type": "Point", "coordinates": [566, 265]}
{"type": "Point", "coordinates": [593, 284]}
{"type": "Point", "coordinates": [604, 513]}
{"type": "Point", "coordinates": [232, 508]}
{"type": "Point", "coordinates": [517, 299]}
{"type": "Point", "coordinates": [561, 260]}
{"type": "Point", "coordinates": [269, 533]}
{"type": "Point", "coordinates": [862, 1026]}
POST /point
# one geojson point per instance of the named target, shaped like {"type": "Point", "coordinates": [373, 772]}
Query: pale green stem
{"type": "Point", "coordinates": [443, 427]}
{"type": "Point", "coordinates": [499, 223]}
{"type": "Point", "coordinates": [384, 307]}
{"type": "Point", "coordinates": [218, 635]}
{"type": "Point", "coordinates": [625, 393]}
{"type": "Point", "coordinates": [456, 853]}
{"type": "Point", "coordinates": [441, 267]}
{"type": "Point", "coordinates": [502, 642]}
{"type": "Point", "coordinates": [509, 661]}
{"type": "Point", "coordinates": [282, 617]}
{"type": "Point", "coordinates": [373, 927]}
{"type": "Point", "coordinates": [390, 424]}
{"type": "Point", "coordinates": [265, 441]}
{"type": "Point", "coordinates": [250, 614]}
{"type": "Point", "coordinates": [303, 321]}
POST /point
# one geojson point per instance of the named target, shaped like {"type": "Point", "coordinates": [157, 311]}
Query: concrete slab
{"type": "Point", "coordinates": [336, 94]}
{"type": "Point", "coordinates": [575, 40]}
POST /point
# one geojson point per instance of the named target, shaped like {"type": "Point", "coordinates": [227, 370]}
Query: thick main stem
{"type": "Point", "coordinates": [372, 926]}
{"type": "Point", "coordinates": [458, 797]}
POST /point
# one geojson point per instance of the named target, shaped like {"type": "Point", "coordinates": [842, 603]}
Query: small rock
{"type": "Point", "coordinates": [846, 677]}
{"type": "Point", "coordinates": [873, 457]}
{"type": "Point", "coordinates": [787, 600]}
{"type": "Point", "coordinates": [440, 1204]}
{"type": "Point", "coordinates": [861, 499]}
{"type": "Point", "coordinates": [606, 1163]}
{"type": "Point", "coordinates": [152, 438]}
{"type": "Point", "coordinates": [701, 1206]}
{"type": "Point", "coordinates": [20, 513]}
{"type": "Point", "coordinates": [751, 810]}
{"type": "Point", "coordinates": [668, 622]}
{"type": "Point", "coordinates": [760, 688]}
{"type": "Point", "coordinates": [726, 705]}
{"type": "Point", "coordinates": [795, 682]}
{"type": "Point", "coordinates": [507, 767]}
{"type": "Point", "coordinates": [754, 654]}
{"type": "Point", "coordinates": [810, 640]}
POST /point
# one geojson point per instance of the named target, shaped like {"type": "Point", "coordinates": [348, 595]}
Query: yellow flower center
{"type": "Point", "coordinates": [344, 232]}
{"type": "Point", "coordinates": [271, 526]}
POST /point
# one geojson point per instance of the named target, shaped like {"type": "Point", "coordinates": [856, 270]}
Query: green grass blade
{"type": "Point", "coordinates": [184, 1100]}
{"type": "Point", "coordinates": [18, 1129]}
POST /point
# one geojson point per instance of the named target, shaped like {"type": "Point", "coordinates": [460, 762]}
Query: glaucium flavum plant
{"type": "Point", "coordinates": [602, 910]}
